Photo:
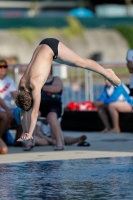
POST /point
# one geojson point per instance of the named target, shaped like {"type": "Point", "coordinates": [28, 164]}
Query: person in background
{"type": "Point", "coordinates": [129, 58]}
{"type": "Point", "coordinates": [8, 93]}
{"type": "Point", "coordinates": [51, 105]}
{"type": "Point", "coordinates": [113, 100]}
{"type": "Point", "coordinates": [4, 122]}
{"type": "Point", "coordinates": [51, 109]}
{"type": "Point", "coordinates": [43, 136]}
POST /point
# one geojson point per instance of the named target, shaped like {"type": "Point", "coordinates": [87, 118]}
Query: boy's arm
{"type": "Point", "coordinates": [36, 95]}
{"type": "Point", "coordinates": [29, 118]}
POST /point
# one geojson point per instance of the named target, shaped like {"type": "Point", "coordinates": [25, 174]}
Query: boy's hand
{"type": "Point", "coordinates": [25, 136]}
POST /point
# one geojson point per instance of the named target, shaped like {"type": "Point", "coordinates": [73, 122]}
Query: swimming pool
{"type": "Point", "coordinates": [82, 179]}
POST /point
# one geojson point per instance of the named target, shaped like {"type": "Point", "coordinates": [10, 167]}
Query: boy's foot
{"type": "Point", "coordinates": [112, 78]}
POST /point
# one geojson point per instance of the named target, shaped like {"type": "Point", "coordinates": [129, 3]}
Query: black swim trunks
{"type": "Point", "coordinates": [53, 44]}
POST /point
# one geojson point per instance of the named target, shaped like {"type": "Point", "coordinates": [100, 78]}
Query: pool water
{"type": "Point", "coordinates": [84, 179]}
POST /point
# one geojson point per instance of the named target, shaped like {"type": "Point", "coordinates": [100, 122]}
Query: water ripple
{"type": "Point", "coordinates": [84, 179]}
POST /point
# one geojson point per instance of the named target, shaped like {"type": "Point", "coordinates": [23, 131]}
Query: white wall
{"type": "Point", "coordinates": [113, 10]}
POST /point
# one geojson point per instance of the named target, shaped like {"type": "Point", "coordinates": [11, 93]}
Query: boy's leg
{"type": "Point", "coordinates": [68, 57]}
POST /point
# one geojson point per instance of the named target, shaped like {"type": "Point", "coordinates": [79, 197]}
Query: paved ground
{"type": "Point", "coordinates": [102, 145]}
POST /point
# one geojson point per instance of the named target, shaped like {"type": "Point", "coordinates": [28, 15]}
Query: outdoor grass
{"type": "Point", "coordinates": [73, 29]}
{"type": "Point", "coordinates": [127, 33]}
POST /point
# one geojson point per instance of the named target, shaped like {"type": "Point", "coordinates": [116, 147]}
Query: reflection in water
{"type": "Point", "coordinates": [110, 178]}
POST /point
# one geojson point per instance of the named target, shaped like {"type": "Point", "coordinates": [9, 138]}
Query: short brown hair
{"type": "Point", "coordinates": [24, 100]}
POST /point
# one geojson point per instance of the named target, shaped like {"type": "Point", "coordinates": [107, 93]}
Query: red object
{"type": "Point", "coordinates": [71, 106]}
{"type": "Point", "coordinates": [81, 106]}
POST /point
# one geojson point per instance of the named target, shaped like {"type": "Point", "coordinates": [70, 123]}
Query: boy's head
{"type": "Point", "coordinates": [24, 100]}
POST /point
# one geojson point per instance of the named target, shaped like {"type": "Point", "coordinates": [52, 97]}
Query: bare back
{"type": "Point", "coordinates": [38, 69]}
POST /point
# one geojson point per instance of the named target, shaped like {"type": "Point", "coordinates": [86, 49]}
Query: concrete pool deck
{"type": "Point", "coordinates": [102, 145]}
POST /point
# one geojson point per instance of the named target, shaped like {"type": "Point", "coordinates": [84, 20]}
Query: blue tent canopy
{"type": "Point", "coordinates": [81, 12]}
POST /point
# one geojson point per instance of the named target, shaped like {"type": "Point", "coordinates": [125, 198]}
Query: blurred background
{"type": "Point", "coordinates": [101, 30]}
